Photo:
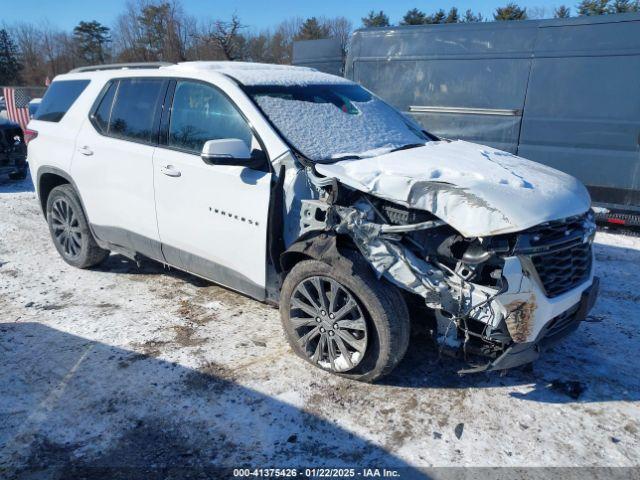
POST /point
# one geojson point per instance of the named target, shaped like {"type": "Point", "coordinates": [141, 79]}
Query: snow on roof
{"type": "Point", "coordinates": [263, 73]}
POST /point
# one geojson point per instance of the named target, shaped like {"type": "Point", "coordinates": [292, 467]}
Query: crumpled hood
{"type": "Point", "coordinates": [478, 190]}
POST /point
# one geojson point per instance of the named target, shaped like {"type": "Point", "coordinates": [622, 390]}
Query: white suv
{"type": "Point", "coordinates": [305, 190]}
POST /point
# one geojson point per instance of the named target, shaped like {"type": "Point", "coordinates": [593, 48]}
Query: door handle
{"type": "Point", "coordinates": [170, 171]}
{"type": "Point", "coordinates": [85, 150]}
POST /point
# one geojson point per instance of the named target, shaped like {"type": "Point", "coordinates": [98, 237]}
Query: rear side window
{"type": "Point", "coordinates": [59, 98]}
{"type": "Point", "coordinates": [134, 112]}
{"type": "Point", "coordinates": [103, 113]}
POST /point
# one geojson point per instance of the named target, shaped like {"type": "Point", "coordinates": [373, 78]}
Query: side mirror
{"type": "Point", "coordinates": [226, 151]}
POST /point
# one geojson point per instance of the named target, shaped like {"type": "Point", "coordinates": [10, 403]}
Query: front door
{"type": "Point", "coordinates": [212, 219]}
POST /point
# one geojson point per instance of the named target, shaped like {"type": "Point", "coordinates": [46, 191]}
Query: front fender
{"type": "Point", "coordinates": [322, 246]}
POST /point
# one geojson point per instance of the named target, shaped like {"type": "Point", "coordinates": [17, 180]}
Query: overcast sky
{"type": "Point", "coordinates": [255, 13]}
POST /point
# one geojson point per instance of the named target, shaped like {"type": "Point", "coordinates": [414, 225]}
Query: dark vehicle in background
{"type": "Point", "coordinates": [13, 150]}
{"type": "Point", "coordinates": [561, 92]}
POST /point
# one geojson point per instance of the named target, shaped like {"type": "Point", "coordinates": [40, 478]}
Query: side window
{"type": "Point", "coordinates": [200, 113]}
{"type": "Point", "coordinates": [103, 112]}
{"type": "Point", "coordinates": [59, 98]}
{"type": "Point", "coordinates": [134, 109]}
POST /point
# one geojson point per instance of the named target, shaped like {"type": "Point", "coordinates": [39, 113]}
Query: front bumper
{"type": "Point", "coordinates": [555, 330]}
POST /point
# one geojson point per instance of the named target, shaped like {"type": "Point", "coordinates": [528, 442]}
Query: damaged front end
{"type": "Point", "coordinates": [502, 297]}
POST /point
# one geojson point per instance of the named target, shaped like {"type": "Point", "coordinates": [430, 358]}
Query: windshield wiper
{"type": "Point", "coordinates": [346, 157]}
{"type": "Point", "coordinates": [408, 146]}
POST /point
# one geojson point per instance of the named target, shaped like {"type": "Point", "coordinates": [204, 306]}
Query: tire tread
{"type": "Point", "coordinates": [94, 254]}
{"type": "Point", "coordinates": [391, 312]}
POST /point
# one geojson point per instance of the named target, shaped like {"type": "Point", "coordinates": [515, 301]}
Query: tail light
{"type": "Point", "coordinates": [29, 135]}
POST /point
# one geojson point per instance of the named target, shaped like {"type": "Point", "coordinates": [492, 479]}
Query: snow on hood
{"type": "Point", "coordinates": [478, 190]}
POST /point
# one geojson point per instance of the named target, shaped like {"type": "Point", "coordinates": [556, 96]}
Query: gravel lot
{"type": "Point", "coordinates": [143, 368]}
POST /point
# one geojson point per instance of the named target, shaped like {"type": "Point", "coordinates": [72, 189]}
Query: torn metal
{"type": "Point", "coordinates": [389, 258]}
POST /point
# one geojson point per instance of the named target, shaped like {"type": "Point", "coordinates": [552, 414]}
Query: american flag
{"type": "Point", "coordinates": [17, 105]}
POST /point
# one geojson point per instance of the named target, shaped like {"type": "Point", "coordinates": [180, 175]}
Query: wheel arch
{"type": "Point", "coordinates": [323, 246]}
{"type": "Point", "coordinates": [49, 178]}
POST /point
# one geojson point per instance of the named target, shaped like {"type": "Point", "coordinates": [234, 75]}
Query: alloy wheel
{"type": "Point", "coordinates": [329, 324]}
{"type": "Point", "coordinates": [66, 228]}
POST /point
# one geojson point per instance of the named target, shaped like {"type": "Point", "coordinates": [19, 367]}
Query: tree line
{"type": "Point", "coordinates": [511, 11]}
{"type": "Point", "coordinates": [161, 30]}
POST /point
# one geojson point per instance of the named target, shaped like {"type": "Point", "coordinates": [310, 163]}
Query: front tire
{"type": "Point", "coordinates": [70, 230]}
{"type": "Point", "coordinates": [343, 319]}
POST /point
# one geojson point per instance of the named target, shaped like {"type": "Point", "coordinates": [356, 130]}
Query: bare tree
{"type": "Point", "coordinates": [59, 50]}
{"type": "Point", "coordinates": [340, 28]}
{"type": "Point", "coordinates": [226, 36]}
{"type": "Point", "coordinates": [257, 47]}
{"type": "Point", "coordinates": [153, 31]}
{"type": "Point", "coordinates": [29, 42]}
{"type": "Point", "coordinates": [127, 34]}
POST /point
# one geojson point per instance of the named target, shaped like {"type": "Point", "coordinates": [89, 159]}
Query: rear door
{"type": "Point", "coordinates": [212, 218]}
{"type": "Point", "coordinates": [113, 163]}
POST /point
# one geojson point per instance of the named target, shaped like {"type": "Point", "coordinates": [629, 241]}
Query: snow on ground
{"type": "Point", "coordinates": [144, 367]}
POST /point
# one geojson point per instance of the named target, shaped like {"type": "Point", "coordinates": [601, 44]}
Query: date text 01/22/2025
{"type": "Point", "coordinates": [316, 472]}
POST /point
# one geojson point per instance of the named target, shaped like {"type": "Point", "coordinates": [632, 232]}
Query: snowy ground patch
{"type": "Point", "coordinates": [133, 367]}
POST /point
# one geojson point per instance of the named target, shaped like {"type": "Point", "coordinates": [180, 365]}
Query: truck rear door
{"type": "Point", "coordinates": [582, 112]}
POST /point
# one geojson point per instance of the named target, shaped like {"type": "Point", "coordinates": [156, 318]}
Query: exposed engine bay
{"type": "Point", "coordinates": [500, 296]}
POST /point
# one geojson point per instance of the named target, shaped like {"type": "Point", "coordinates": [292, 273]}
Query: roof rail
{"type": "Point", "coordinates": [120, 66]}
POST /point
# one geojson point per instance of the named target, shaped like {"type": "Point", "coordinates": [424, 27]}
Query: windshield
{"type": "Point", "coordinates": [326, 123]}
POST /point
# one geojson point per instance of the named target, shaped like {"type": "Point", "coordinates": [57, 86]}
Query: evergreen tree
{"type": "Point", "coordinates": [414, 17]}
{"type": "Point", "coordinates": [470, 17]}
{"type": "Point", "coordinates": [562, 12]}
{"type": "Point", "coordinates": [511, 11]}
{"type": "Point", "coordinates": [373, 19]}
{"type": "Point", "coordinates": [9, 65]}
{"type": "Point", "coordinates": [437, 17]}
{"type": "Point", "coordinates": [452, 16]}
{"type": "Point", "coordinates": [154, 25]}
{"type": "Point", "coordinates": [312, 29]}
{"type": "Point", "coordinates": [593, 7]}
{"type": "Point", "coordinates": [623, 6]}
{"type": "Point", "coordinates": [92, 39]}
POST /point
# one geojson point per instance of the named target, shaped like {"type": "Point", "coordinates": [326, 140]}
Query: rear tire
{"type": "Point", "coordinates": [70, 230]}
{"type": "Point", "coordinates": [386, 319]}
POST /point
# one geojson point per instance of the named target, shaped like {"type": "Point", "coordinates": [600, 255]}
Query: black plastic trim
{"type": "Point", "coordinates": [215, 272]}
